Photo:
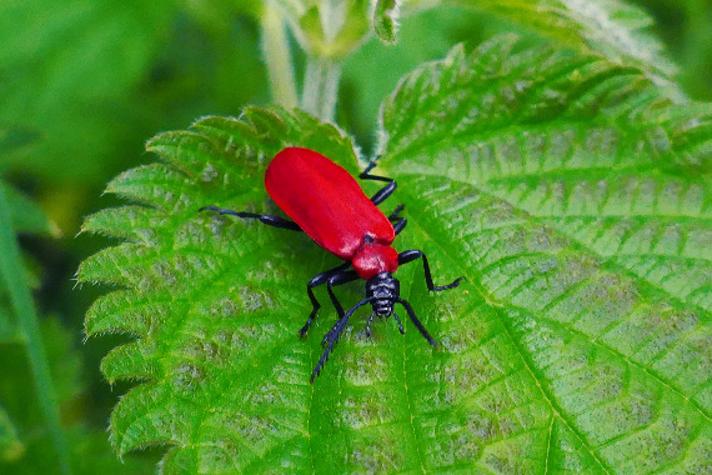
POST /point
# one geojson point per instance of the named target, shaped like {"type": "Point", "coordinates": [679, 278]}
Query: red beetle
{"type": "Point", "coordinates": [328, 205]}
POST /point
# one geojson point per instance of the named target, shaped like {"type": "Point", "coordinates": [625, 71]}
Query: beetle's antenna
{"type": "Point", "coordinates": [416, 321]}
{"type": "Point", "coordinates": [333, 335]}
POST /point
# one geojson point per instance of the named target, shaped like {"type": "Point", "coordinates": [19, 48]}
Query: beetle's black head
{"type": "Point", "coordinates": [384, 290]}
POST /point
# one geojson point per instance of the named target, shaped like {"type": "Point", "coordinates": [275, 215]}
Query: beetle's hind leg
{"type": "Point", "coordinates": [395, 214]}
{"type": "Point", "coordinates": [381, 195]}
{"type": "Point", "coordinates": [395, 218]}
{"type": "Point", "coordinates": [399, 225]}
{"type": "Point", "coordinates": [267, 219]}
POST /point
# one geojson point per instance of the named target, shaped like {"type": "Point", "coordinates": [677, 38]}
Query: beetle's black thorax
{"type": "Point", "coordinates": [385, 290]}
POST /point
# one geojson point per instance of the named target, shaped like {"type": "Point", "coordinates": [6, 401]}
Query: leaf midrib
{"type": "Point", "coordinates": [409, 414]}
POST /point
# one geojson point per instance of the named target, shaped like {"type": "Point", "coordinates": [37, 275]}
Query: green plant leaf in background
{"type": "Point", "coordinates": [384, 20]}
{"type": "Point", "coordinates": [30, 441]}
{"type": "Point", "coordinates": [327, 29]}
{"type": "Point", "coordinates": [565, 187]}
{"type": "Point", "coordinates": [614, 28]}
{"type": "Point", "coordinates": [90, 453]}
{"type": "Point", "coordinates": [14, 285]}
{"type": "Point", "coordinates": [21, 401]}
{"type": "Point", "coordinates": [65, 60]}
{"type": "Point", "coordinates": [8, 329]}
{"type": "Point", "coordinates": [27, 440]}
{"type": "Point", "coordinates": [25, 217]}
{"type": "Point", "coordinates": [10, 446]}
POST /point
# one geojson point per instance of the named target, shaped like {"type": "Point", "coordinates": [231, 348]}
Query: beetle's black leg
{"type": "Point", "coordinates": [267, 219]}
{"type": "Point", "coordinates": [418, 324]}
{"type": "Point", "coordinates": [333, 336]}
{"type": "Point", "coordinates": [395, 215]}
{"type": "Point", "coordinates": [334, 280]}
{"type": "Point", "coordinates": [413, 254]}
{"type": "Point", "coordinates": [384, 192]}
{"type": "Point", "coordinates": [317, 280]}
{"type": "Point", "coordinates": [381, 195]}
{"type": "Point", "coordinates": [367, 330]}
{"type": "Point", "coordinates": [400, 324]}
{"type": "Point", "coordinates": [399, 225]}
{"type": "Point", "coordinates": [338, 279]}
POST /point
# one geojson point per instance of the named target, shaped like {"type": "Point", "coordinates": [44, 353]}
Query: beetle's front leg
{"type": "Point", "coordinates": [413, 254]}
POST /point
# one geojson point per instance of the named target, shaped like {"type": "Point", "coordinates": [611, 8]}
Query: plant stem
{"type": "Point", "coordinates": [12, 272]}
{"type": "Point", "coordinates": [275, 49]}
{"type": "Point", "coordinates": [321, 86]}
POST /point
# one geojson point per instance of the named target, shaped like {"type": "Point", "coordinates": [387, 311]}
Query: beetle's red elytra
{"type": "Point", "coordinates": [332, 209]}
{"type": "Point", "coordinates": [325, 202]}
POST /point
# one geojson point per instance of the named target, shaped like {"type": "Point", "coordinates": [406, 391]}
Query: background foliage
{"type": "Point", "coordinates": [590, 184]}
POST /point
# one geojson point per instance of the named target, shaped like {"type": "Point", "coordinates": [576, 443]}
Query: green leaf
{"type": "Point", "coordinates": [8, 329]}
{"type": "Point", "coordinates": [26, 216]}
{"type": "Point", "coordinates": [615, 28]}
{"type": "Point", "coordinates": [384, 20]}
{"type": "Point", "coordinates": [20, 298]}
{"type": "Point", "coordinates": [425, 36]}
{"type": "Point", "coordinates": [13, 138]}
{"type": "Point", "coordinates": [10, 446]}
{"type": "Point", "coordinates": [327, 29]}
{"type": "Point", "coordinates": [16, 391]}
{"type": "Point", "coordinates": [213, 302]}
{"type": "Point", "coordinates": [19, 398]}
{"type": "Point", "coordinates": [518, 166]}
{"type": "Point", "coordinates": [65, 60]}
{"type": "Point", "coordinates": [568, 191]}
{"type": "Point", "coordinates": [32, 450]}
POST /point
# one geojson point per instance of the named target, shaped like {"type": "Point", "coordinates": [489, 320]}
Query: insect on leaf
{"type": "Point", "coordinates": [567, 189]}
{"type": "Point", "coordinates": [561, 186]}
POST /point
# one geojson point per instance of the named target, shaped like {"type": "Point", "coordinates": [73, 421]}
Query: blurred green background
{"type": "Point", "coordinates": [84, 83]}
